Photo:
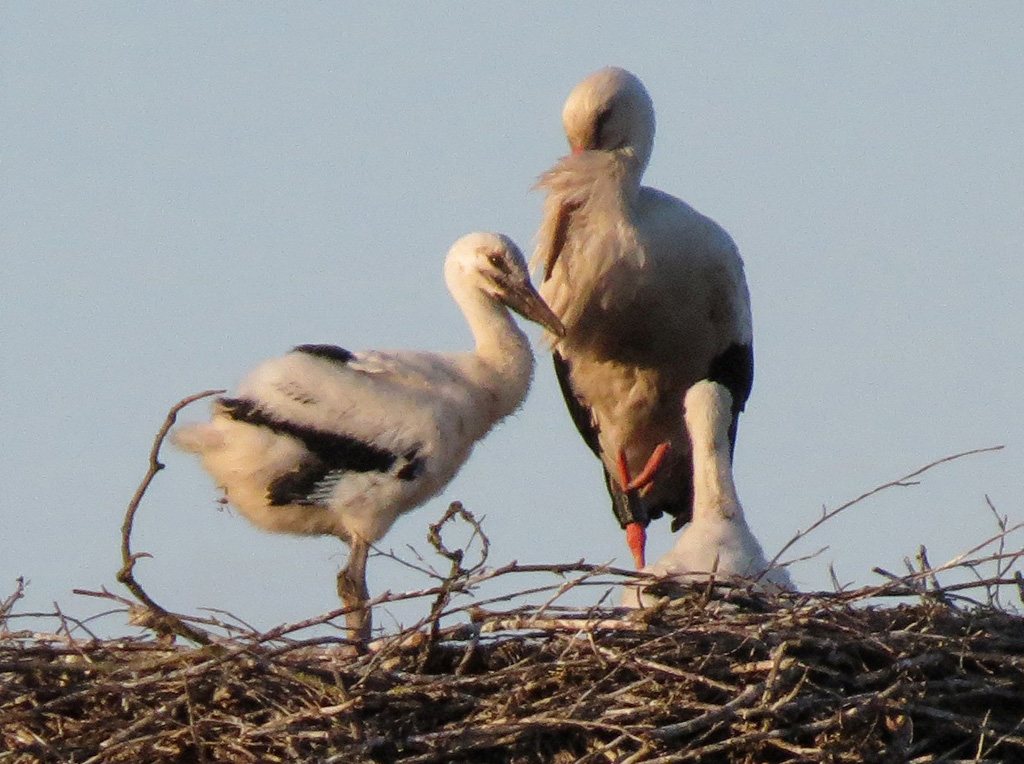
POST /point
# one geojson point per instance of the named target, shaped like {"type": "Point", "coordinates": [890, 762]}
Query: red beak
{"type": "Point", "coordinates": [636, 537]}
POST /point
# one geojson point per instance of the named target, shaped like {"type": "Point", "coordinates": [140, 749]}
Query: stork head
{"type": "Point", "coordinates": [493, 264]}
{"type": "Point", "coordinates": [610, 111]}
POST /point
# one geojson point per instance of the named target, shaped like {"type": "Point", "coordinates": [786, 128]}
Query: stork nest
{"type": "Point", "coordinates": [720, 674]}
{"type": "Point", "coordinates": [909, 670]}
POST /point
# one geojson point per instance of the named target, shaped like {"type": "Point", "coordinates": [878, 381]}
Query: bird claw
{"type": "Point", "coordinates": [650, 469]}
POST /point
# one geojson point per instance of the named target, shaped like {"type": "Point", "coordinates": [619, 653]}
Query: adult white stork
{"type": "Point", "coordinates": [717, 541]}
{"type": "Point", "coordinates": [653, 298]}
{"type": "Point", "coordinates": [327, 441]}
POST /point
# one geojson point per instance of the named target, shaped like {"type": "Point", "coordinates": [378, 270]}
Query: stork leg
{"type": "Point", "coordinates": [636, 532]}
{"type": "Point", "coordinates": [353, 592]}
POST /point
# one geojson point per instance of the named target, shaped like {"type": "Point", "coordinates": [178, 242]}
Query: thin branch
{"type": "Point", "coordinates": [157, 617]}
{"type": "Point", "coordinates": [903, 482]}
{"type": "Point", "coordinates": [8, 602]}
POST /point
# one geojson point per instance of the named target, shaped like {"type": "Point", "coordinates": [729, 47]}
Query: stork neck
{"type": "Point", "coordinates": [613, 173]}
{"type": "Point", "coordinates": [714, 491]}
{"type": "Point", "coordinates": [633, 164]}
{"type": "Point", "coordinates": [502, 350]}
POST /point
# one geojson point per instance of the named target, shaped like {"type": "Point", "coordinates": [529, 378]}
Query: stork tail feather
{"type": "Point", "coordinates": [198, 438]}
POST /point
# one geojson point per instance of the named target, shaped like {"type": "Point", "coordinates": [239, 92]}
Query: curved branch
{"type": "Point", "coordinates": [156, 616]}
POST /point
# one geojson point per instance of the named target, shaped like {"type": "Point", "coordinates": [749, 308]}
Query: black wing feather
{"type": "Point", "coordinates": [330, 352]}
{"type": "Point", "coordinates": [578, 410]}
{"type": "Point", "coordinates": [331, 455]}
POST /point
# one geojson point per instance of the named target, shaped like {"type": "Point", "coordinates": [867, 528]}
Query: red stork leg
{"type": "Point", "coordinates": [636, 533]}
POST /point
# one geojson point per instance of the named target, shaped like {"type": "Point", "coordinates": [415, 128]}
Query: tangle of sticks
{"type": "Point", "coordinates": [925, 665]}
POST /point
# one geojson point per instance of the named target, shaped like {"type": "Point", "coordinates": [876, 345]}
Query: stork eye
{"type": "Point", "coordinates": [600, 125]}
{"type": "Point", "coordinates": [498, 262]}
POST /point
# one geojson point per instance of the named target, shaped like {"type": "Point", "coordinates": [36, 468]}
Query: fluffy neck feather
{"type": "Point", "coordinates": [587, 231]}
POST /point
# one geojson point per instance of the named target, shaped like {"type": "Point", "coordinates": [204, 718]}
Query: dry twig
{"type": "Point", "coordinates": [154, 615]}
{"type": "Point", "coordinates": [720, 675]}
{"type": "Point", "coordinates": [903, 482]}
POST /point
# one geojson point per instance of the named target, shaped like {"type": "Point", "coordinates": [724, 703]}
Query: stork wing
{"type": "Point", "coordinates": [391, 402]}
{"type": "Point", "coordinates": [578, 410]}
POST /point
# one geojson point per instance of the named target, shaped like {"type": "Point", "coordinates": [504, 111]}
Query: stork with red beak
{"type": "Point", "coordinates": [653, 298]}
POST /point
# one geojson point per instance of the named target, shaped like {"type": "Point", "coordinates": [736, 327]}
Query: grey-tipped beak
{"type": "Point", "coordinates": [524, 300]}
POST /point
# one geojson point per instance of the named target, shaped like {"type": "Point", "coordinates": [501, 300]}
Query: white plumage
{"type": "Point", "coordinates": [327, 441]}
{"type": "Point", "coordinates": [717, 541]}
{"type": "Point", "coordinates": [653, 298]}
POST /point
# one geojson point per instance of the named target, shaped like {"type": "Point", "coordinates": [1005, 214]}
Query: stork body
{"type": "Point", "coordinates": [653, 298]}
{"type": "Point", "coordinates": [717, 541]}
{"type": "Point", "coordinates": [327, 441]}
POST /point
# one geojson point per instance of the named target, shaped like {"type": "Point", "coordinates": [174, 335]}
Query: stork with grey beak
{"type": "Point", "coordinates": [327, 441]}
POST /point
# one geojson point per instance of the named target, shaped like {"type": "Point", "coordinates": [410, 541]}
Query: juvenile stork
{"type": "Point", "coordinates": [327, 441]}
{"type": "Point", "coordinates": [653, 298]}
{"type": "Point", "coordinates": [717, 541]}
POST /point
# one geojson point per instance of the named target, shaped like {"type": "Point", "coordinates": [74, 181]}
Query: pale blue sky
{"type": "Point", "coordinates": [188, 188]}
